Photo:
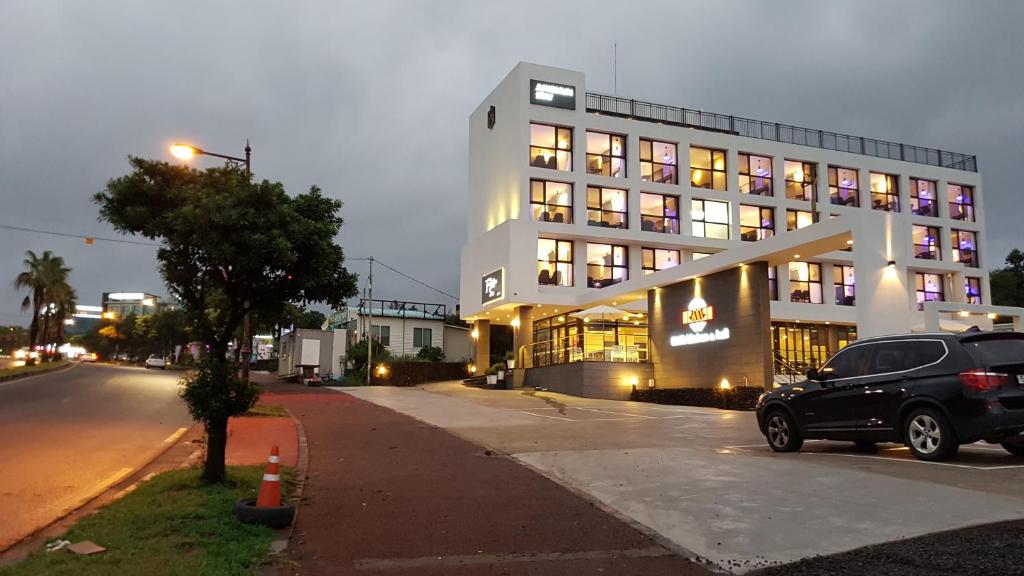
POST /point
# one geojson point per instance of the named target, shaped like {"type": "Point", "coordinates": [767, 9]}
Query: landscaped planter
{"type": "Point", "coordinates": [492, 379]}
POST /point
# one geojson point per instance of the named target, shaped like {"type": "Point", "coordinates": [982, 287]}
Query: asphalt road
{"type": "Point", "coordinates": [68, 435]}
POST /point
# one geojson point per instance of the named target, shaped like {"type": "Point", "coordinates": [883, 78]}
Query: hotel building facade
{"type": "Point", "coordinates": [578, 200]}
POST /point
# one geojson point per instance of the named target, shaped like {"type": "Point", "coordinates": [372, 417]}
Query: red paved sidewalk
{"type": "Point", "coordinates": [388, 494]}
{"type": "Point", "coordinates": [250, 439]}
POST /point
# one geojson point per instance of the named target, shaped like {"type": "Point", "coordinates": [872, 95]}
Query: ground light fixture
{"type": "Point", "coordinates": [724, 384]}
{"type": "Point", "coordinates": [475, 334]}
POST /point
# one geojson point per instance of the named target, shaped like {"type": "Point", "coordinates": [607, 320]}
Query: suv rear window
{"type": "Point", "coordinates": [994, 351]}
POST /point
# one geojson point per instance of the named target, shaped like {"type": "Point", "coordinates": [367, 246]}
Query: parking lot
{"type": "Point", "coordinates": [705, 480]}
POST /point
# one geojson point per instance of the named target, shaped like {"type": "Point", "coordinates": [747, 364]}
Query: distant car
{"type": "Point", "coordinates": [155, 361]}
{"type": "Point", "coordinates": [122, 357]}
{"type": "Point", "coordinates": [88, 357]}
{"type": "Point", "coordinates": [25, 354]}
{"type": "Point", "coordinates": [932, 392]}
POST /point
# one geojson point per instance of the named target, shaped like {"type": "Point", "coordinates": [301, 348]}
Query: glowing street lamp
{"type": "Point", "coordinates": [184, 151]}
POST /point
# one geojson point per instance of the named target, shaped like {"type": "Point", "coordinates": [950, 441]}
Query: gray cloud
{"type": "Point", "coordinates": [370, 101]}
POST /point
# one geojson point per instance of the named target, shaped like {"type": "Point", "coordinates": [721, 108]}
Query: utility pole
{"type": "Point", "coordinates": [369, 329]}
{"type": "Point", "coordinates": [246, 332]}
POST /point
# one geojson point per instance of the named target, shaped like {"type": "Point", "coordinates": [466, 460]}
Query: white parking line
{"type": "Point", "coordinates": [619, 413]}
{"type": "Point", "coordinates": [746, 448]}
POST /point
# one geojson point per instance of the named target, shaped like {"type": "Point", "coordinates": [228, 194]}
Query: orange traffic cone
{"type": "Point", "coordinates": [270, 490]}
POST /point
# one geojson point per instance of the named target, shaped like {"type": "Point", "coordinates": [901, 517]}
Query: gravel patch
{"type": "Point", "coordinates": [989, 549]}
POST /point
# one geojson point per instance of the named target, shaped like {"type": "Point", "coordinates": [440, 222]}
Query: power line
{"type": "Point", "coordinates": [403, 274]}
{"type": "Point", "coordinates": [81, 236]}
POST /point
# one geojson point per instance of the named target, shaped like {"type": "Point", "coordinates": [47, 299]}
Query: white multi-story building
{"type": "Point", "coordinates": [578, 199]}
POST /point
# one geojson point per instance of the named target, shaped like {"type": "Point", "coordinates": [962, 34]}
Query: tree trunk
{"type": "Point", "coordinates": [216, 445]}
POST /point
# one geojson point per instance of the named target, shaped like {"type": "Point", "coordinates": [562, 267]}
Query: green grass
{"type": "Point", "coordinates": [29, 369]}
{"type": "Point", "coordinates": [275, 410]}
{"type": "Point", "coordinates": [171, 525]}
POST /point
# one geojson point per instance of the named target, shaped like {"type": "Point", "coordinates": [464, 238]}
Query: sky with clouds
{"type": "Point", "coordinates": [370, 101]}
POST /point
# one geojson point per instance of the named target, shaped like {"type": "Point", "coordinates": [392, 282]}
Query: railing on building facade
{"type": "Point", "coordinates": [584, 347]}
{"type": "Point", "coordinates": [776, 132]}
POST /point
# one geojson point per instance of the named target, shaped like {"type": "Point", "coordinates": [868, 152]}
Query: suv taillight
{"type": "Point", "coordinates": [982, 380]}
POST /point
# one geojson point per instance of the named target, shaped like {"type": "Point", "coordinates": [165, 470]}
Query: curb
{"type": "Point", "coordinates": [34, 373]}
{"type": "Point", "coordinates": [284, 535]}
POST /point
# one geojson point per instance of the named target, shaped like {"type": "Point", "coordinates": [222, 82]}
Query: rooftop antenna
{"type": "Point", "coordinates": [615, 68]}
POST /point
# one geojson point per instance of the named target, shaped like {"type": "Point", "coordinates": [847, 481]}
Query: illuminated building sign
{"type": "Point", "coordinates": [548, 94]}
{"type": "Point", "coordinates": [492, 287]}
{"type": "Point", "coordinates": [696, 316]}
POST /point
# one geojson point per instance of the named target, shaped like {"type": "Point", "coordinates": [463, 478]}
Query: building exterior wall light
{"type": "Point", "coordinates": [724, 384]}
{"type": "Point", "coordinates": [892, 263]}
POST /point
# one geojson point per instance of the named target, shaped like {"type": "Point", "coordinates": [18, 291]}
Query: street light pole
{"type": "Point", "coordinates": [186, 152]}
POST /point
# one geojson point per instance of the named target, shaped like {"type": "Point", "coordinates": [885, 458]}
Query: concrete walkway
{"type": "Point", "coordinates": [704, 479]}
{"type": "Point", "coordinates": [388, 494]}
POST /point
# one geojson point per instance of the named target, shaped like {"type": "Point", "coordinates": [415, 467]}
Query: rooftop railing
{"type": "Point", "coordinates": [639, 110]}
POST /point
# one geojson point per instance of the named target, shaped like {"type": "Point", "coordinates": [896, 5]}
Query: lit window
{"type": "Point", "coordinates": [551, 201]}
{"type": "Point", "coordinates": [606, 154]}
{"type": "Point", "coordinates": [926, 242]}
{"type": "Point", "coordinates": [796, 219]}
{"type": "Point", "coordinates": [773, 283]}
{"type": "Point", "coordinates": [606, 207]}
{"type": "Point", "coordinates": [707, 168]}
{"type": "Point", "coordinates": [805, 282]}
{"type": "Point", "coordinates": [655, 259]}
{"type": "Point", "coordinates": [710, 219]}
{"type": "Point", "coordinates": [923, 199]}
{"type": "Point", "coordinates": [554, 262]}
{"type": "Point", "coordinates": [842, 186]}
{"type": "Point", "coordinates": [659, 213]}
{"type": "Point", "coordinates": [929, 287]}
{"type": "Point", "coordinates": [885, 192]}
{"type": "Point", "coordinates": [756, 223]}
{"type": "Point", "coordinates": [800, 178]}
{"type": "Point", "coordinates": [961, 202]}
{"type": "Point", "coordinates": [845, 285]}
{"type": "Point", "coordinates": [755, 174]}
{"type": "Point", "coordinates": [658, 161]}
{"type": "Point", "coordinates": [965, 247]}
{"type": "Point", "coordinates": [972, 288]}
{"type": "Point", "coordinates": [606, 265]}
{"type": "Point", "coordinates": [550, 147]}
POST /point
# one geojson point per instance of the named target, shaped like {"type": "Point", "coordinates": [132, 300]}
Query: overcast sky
{"type": "Point", "coordinates": [370, 100]}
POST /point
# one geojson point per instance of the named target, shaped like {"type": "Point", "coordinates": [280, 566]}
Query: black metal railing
{"type": "Point", "coordinates": [776, 132]}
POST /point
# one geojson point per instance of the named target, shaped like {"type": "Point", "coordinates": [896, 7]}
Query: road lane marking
{"type": "Point", "coordinates": [174, 437]}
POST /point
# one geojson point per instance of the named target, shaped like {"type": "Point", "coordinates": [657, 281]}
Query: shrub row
{"type": "Point", "coordinates": [737, 398]}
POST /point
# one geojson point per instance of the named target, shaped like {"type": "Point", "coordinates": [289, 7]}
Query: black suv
{"type": "Point", "coordinates": [932, 392]}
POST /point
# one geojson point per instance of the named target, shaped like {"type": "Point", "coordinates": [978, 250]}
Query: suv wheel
{"type": "Point", "coordinates": [929, 435]}
{"type": "Point", "coordinates": [1015, 447]}
{"type": "Point", "coordinates": [781, 432]}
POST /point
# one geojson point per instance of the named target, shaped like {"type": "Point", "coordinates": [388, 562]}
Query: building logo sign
{"type": "Point", "coordinates": [696, 317]}
{"type": "Point", "coordinates": [548, 94]}
{"type": "Point", "coordinates": [492, 287]}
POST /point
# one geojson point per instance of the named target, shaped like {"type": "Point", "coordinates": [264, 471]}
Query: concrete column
{"type": "Point", "coordinates": [957, 292]}
{"type": "Point", "coordinates": [482, 347]}
{"type": "Point", "coordinates": [523, 336]}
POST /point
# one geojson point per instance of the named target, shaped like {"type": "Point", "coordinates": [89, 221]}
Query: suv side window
{"type": "Point", "coordinates": [849, 362]}
{"type": "Point", "coordinates": [904, 355]}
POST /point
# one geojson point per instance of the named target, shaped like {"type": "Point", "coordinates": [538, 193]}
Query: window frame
{"type": "Point", "coordinates": [915, 197]}
{"type": "Point", "coordinates": [935, 248]}
{"type": "Point", "coordinates": [430, 337]}
{"type": "Point", "coordinates": [601, 211]}
{"type": "Point", "coordinates": [664, 216]}
{"type": "Point", "coordinates": [609, 158]}
{"type": "Point", "coordinates": [889, 199]}
{"type": "Point", "coordinates": [383, 335]}
{"type": "Point", "coordinates": [842, 289]}
{"type": "Point", "coordinates": [654, 259]}
{"type": "Point", "coordinates": [796, 213]}
{"type": "Point", "coordinates": [922, 292]}
{"type": "Point", "coordinates": [834, 187]}
{"type": "Point", "coordinates": [651, 164]}
{"type": "Point", "coordinates": [557, 263]}
{"type": "Point", "coordinates": [704, 222]}
{"type": "Point", "coordinates": [810, 283]}
{"type": "Point", "coordinates": [545, 207]}
{"type": "Point", "coordinates": [761, 231]}
{"type": "Point", "coordinates": [545, 162]}
{"type": "Point", "coordinates": [958, 251]}
{"type": "Point", "coordinates": [715, 174]}
{"type": "Point", "coordinates": [966, 193]}
{"type": "Point", "coordinates": [974, 281]}
{"type": "Point", "coordinates": [592, 281]}
{"type": "Point", "coordinates": [743, 159]}
{"type": "Point", "coordinates": [773, 283]}
{"type": "Point", "coordinates": [807, 187]}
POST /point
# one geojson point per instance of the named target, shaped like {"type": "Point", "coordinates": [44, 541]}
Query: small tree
{"type": "Point", "coordinates": [229, 247]}
{"type": "Point", "coordinates": [1008, 283]}
{"type": "Point", "coordinates": [431, 354]}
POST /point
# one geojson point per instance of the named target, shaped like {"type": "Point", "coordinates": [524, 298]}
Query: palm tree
{"type": "Point", "coordinates": [33, 280]}
{"type": "Point", "coordinates": [62, 299]}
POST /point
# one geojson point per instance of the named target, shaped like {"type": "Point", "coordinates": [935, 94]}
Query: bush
{"type": "Point", "coordinates": [431, 354]}
{"type": "Point", "coordinates": [736, 398]}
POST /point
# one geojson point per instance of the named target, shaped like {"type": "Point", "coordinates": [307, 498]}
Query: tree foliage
{"type": "Point", "coordinates": [229, 246]}
{"type": "Point", "coordinates": [1007, 284]}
